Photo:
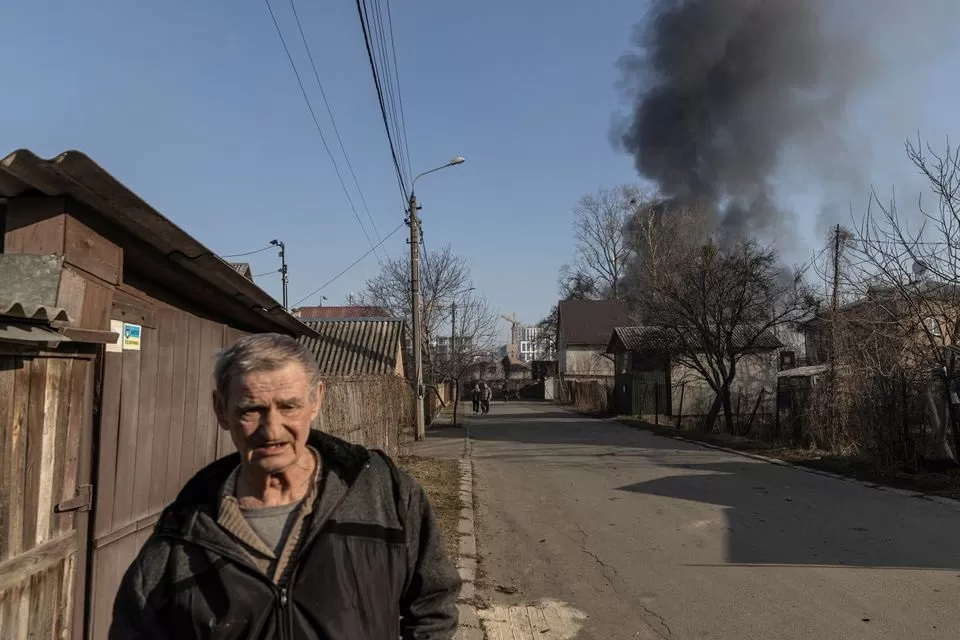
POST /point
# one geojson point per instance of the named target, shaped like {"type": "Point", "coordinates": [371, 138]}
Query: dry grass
{"type": "Point", "coordinates": [441, 480]}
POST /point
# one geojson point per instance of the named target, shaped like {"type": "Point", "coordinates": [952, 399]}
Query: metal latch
{"type": "Point", "coordinates": [80, 502]}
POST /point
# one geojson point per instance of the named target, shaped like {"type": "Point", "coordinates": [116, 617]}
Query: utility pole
{"type": "Point", "coordinates": [454, 364]}
{"type": "Point", "coordinates": [414, 222]}
{"type": "Point", "coordinates": [283, 268]}
{"type": "Point", "coordinates": [834, 310]}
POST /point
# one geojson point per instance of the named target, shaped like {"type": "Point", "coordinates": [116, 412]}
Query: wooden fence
{"type": "Point", "coordinates": [45, 403]}
{"type": "Point", "coordinates": [375, 411]}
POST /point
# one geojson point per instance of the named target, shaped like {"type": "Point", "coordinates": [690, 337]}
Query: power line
{"type": "Point", "coordinates": [383, 109]}
{"type": "Point", "coordinates": [266, 273]}
{"type": "Point", "coordinates": [396, 72]}
{"type": "Point", "coordinates": [333, 120]}
{"type": "Point", "coordinates": [352, 265]}
{"type": "Point", "coordinates": [392, 88]}
{"type": "Point", "coordinates": [248, 253]}
{"type": "Point", "coordinates": [317, 122]}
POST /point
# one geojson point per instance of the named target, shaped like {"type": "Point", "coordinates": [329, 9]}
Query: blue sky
{"type": "Point", "coordinates": [193, 105]}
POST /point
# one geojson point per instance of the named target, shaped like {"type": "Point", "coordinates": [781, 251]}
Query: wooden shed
{"type": "Point", "coordinates": [109, 325]}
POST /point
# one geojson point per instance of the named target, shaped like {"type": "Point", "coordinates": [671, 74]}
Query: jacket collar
{"type": "Point", "coordinates": [202, 492]}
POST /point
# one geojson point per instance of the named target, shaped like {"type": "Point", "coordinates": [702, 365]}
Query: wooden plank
{"type": "Point", "coordinates": [42, 590]}
{"type": "Point", "coordinates": [191, 398]}
{"type": "Point", "coordinates": [178, 394]}
{"type": "Point", "coordinates": [66, 481]}
{"type": "Point", "coordinates": [127, 437]}
{"type": "Point", "coordinates": [34, 452]}
{"type": "Point", "coordinates": [8, 367]}
{"type": "Point", "coordinates": [97, 304]}
{"type": "Point", "coordinates": [166, 341]}
{"type": "Point", "coordinates": [112, 563]}
{"type": "Point", "coordinates": [65, 613]}
{"type": "Point", "coordinates": [211, 340]}
{"type": "Point", "coordinates": [146, 426]}
{"type": "Point", "coordinates": [86, 249]}
{"type": "Point", "coordinates": [18, 458]}
{"type": "Point", "coordinates": [90, 336]}
{"type": "Point", "coordinates": [147, 524]}
{"type": "Point", "coordinates": [70, 295]}
{"type": "Point", "coordinates": [21, 567]}
{"type": "Point", "coordinates": [130, 308]}
{"type": "Point", "coordinates": [82, 520]}
{"type": "Point", "coordinates": [56, 404]}
{"type": "Point", "coordinates": [106, 463]}
{"type": "Point", "coordinates": [35, 224]}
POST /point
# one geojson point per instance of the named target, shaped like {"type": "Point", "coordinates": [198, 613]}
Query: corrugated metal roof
{"type": "Point", "coordinates": [590, 322]}
{"type": "Point", "coordinates": [29, 284]}
{"type": "Point", "coordinates": [664, 339]}
{"type": "Point", "coordinates": [308, 314]}
{"type": "Point", "coordinates": [10, 332]}
{"type": "Point", "coordinates": [356, 347]}
{"type": "Point", "coordinates": [74, 174]}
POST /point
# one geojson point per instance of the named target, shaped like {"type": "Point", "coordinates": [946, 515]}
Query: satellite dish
{"type": "Point", "coordinates": [919, 268]}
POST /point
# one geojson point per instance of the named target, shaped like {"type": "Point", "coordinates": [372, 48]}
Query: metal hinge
{"type": "Point", "coordinates": [81, 502]}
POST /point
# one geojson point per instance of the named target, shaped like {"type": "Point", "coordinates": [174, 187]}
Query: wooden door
{"type": "Point", "coordinates": [46, 406]}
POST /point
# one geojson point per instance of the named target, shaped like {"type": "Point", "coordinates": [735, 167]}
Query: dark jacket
{"type": "Point", "coordinates": [371, 564]}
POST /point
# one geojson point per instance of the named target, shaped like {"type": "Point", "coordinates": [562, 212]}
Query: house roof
{"type": "Point", "coordinates": [74, 174]}
{"type": "Point", "coordinates": [658, 339]}
{"type": "Point", "coordinates": [243, 268]}
{"type": "Point", "coordinates": [366, 346]}
{"type": "Point", "coordinates": [341, 313]}
{"type": "Point", "coordinates": [590, 322]}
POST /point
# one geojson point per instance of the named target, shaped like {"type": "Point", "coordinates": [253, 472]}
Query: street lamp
{"type": "Point", "coordinates": [414, 222]}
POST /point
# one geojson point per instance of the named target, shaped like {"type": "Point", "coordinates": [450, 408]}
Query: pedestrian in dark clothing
{"type": "Point", "coordinates": [475, 397]}
{"type": "Point", "coordinates": [486, 394]}
{"type": "Point", "coordinates": [298, 535]}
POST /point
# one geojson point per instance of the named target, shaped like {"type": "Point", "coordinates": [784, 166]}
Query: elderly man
{"type": "Point", "coordinates": [298, 535]}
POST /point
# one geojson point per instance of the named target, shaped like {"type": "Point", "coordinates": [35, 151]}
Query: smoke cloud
{"type": "Point", "coordinates": [722, 88]}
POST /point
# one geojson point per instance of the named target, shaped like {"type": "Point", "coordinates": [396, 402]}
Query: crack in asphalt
{"type": "Point", "coordinates": [607, 567]}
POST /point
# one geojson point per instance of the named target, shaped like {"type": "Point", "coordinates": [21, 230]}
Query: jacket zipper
{"type": "Point", "coordinates": [287, 612]}
{"type": "Point", "coordinates": [280, 593]}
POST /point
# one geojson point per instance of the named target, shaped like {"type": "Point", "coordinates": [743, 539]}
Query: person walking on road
{"type": "Point", "coordinates": [297, 535]}
{"type": "Point", "coordinates": [486, 394]}
{"type": "Point", "coordinates": [475, 397]}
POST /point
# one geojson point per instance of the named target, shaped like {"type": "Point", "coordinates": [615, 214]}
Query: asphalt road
{"type": "Point", "coordinates": [623, 534]}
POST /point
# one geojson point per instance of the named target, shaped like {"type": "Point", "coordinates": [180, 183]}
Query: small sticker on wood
{"type": "Point", "coordinates": [116, 326]}
{"type": "Point", "coordinates": [131, 336]}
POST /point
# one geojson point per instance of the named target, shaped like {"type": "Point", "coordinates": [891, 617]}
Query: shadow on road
{"type": "Point", "coordinates": [774, 515]}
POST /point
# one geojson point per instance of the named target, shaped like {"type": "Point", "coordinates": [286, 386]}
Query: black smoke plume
{"type": "Point", "coordinates": [721, 88]}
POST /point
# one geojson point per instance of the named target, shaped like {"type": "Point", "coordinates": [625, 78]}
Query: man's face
{"type": "Point", "coordinates": [268, 415]}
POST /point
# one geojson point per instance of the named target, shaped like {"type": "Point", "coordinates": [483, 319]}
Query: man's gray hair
{"type": "Point", "coordinates": [262, 352]}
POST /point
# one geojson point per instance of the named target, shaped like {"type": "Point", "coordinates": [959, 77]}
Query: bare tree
{"type": "Point", "coordinates": [548, 332]}
{"type": "Point", "coordinates": [909, 280]}
{"type": "Point", "coordinates": [714, 304]}
{"type": "Point", "coordinates": [475, 333]}
{"type": "Point", "coordinates": [602, 253]}
{"type": "Point", "coordinates": [442, 275]}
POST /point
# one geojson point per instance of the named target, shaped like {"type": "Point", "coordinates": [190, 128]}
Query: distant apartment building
{"type": "Point", "coordinates": [441, 345]}
{"type": "Point", "coordinates": [532, 345]}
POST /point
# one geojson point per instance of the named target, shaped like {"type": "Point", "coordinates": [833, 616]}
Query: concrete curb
{"type": "Point", "coordinates": [469, 628]}
{"type": "Point", "coordinates": [950, 502]}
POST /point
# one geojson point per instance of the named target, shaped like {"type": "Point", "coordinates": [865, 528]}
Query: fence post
{"type": "Point", "coordinates": [656, 403]}
{"type": "Point", "coordinates": [683, 387]}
